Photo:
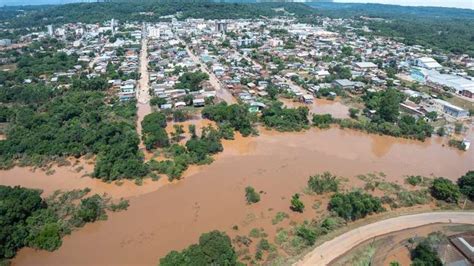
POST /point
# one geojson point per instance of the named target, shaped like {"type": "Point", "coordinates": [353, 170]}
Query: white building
{"type": "Point", "coordinates": [153, 32]}
{"type": "Point", "coordinates": [428, 63]}
{"type": "Point", "coordinates": [50, 30]}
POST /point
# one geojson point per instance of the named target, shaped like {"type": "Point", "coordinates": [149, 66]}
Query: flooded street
{"type": "Point", "coordinates": [143, 94]}
{"type": "Point", "coordinates": [278, 164]}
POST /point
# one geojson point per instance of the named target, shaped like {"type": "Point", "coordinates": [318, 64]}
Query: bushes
{"type": "Point", "coordinates": [307, 233]}
{"type": "Point", "coordinates": [414, 180]}
{"type": "Point", "coordinates": [296, 204]}
{"type": "Point", "coordinates": [214, 248]}
{"type": "Point", "coordinates": [322, 121]}
{"type": "Point", "coordinates": [424, 254]}
{"type": "Point", "coordinates": [466, 184]}
{"type": "Point", "coordinates": [354, 205]}
{"type": "Point", "coordinates": [236, 116]}
{"type": "Point", "coordinates": [251, 195]}
{"type": "Point", "coordinates": [285, 119]}
{"type": "Point", "coordinates": [90, 210]}
{"type": "Point", "coordinates": [326, 182]}
{"type": "Point", "coordinates": [445, 189]}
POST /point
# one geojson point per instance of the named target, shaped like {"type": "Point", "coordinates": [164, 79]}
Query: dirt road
{"type": "Point", "coordinates": [221, 92]}
{"type": "Point", "coordinates": [330, 250]}
{"type": "Point", "coordinates": [143, 95]}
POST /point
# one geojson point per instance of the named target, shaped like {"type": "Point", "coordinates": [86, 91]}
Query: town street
{"type": "Point", "coordinates": [330, 250]}
{"type": "Point", "coordinates": [221, 92]}
{"type": "Point", "coordinates": [143, 95]}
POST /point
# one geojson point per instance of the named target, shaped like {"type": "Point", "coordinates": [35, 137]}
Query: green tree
{"type": "Point", "coordinates": [390, 105]}
{"type": "Point", "coordinates": [445, 189]}
{"type": "Point", "coordinates": [354, 205]}
{"type": "Point", "coordinates": [466, 184]}
{"type": "Point", "coordinates": [424, 255]}
{"type": "Point", "coordinates": [251, 195]}
{"type": "Point", "coordinates": [214, 248]}
{"type": "Point", "coordinates": [296, 204]}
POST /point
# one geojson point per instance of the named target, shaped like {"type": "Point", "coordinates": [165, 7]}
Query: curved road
{"type": "Point", "coordinates": [332, 249]}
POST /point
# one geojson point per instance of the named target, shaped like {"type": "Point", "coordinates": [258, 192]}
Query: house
{"type": "Point", "coordinates": [427, 62]}
{"type": "Point", "coordinates": [450, 109]}
{"type": "Point", "coordinates": [365, 66]}
{"type": "Point", "coordinates": [344, 84]}
{"type": "Point", "coordinates": [199, 102]}
{"type": "Point", "coordinates": [308, 99]}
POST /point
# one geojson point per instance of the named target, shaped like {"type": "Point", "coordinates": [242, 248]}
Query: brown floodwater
{"type": "Point", "coordinates": [67, 178]}
{"type": "Point", "coordinates": [278, 164]}
{"type": "Point", "coordinates": [321, 106]}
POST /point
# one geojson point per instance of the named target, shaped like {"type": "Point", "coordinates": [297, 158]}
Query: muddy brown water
{"type": "Point", "coordinates": [175, 215]}
{"type": "Point", "coordinates": [321, 106]}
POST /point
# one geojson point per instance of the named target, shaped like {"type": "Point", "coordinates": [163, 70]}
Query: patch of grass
{"type": "Point", "coordinates": [257, 233]}
{"type": "Point", "coordinates": [280, 216]}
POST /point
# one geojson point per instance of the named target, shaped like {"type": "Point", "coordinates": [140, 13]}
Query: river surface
{"type": "Point", "coordinates": [175, 215]}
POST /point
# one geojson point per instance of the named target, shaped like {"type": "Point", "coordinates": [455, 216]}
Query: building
{"type": "Point", "coordinates": [308, 99]}
{"type": "Point", "coordinates": [464, 243]}
{"type": "Point", "coordinates": [221, 26]}
{"type": "Point", "coordinates": [427, 62]}
{"type": "Point", "coordinates": [344, 84]}
{"type": "Point", "coordinates": [50, 30]}
{"type": "Point", "coordinates": [5, 42]}
{"type": "Point", "coordinates": [153, 32]}
{"type": "Point", "coordinates": [364, 66]}
{"type": "Point", "coordinates": [449, 109]}
{"type": "Point", "coordinates": [433, 78]}
{"type": "Point", "coordinates": [199, 102]}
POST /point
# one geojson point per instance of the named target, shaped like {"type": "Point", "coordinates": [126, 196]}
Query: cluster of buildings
{"type": "Point", "coordinates": [168, 59]}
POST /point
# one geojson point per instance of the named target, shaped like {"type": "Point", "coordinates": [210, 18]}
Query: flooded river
{"type": "Point", "coordinates": [173, 216]}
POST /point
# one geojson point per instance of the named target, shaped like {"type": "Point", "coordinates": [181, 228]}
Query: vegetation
{"type": "Point", "coordinates": [285, 119]}
{"type": "Point", "coordinates": [251, 195]}
{"type": "Point", "coordinates": [197, 150]}
{"type": "Point", "coordinates": [191, 81]}
{"type": "Point", "coordinates": [235, 116]}
{"type": "Point", "coordinates": [280, 216]}
{"type": "Point", "coordinates": [445, 189]}
{"type": "Point", "coordinates": [153, 131]}
{"type": "Point", "coordinates": [72, 123]}
{"type": "Point", "coordinates": [214, 248]}
{"type": "Point", "coordinates": [414, 180]}
{"type": "Point", "coordinates": [323, 183]}
{"type": "Point", "coordinates": [466, 185]}
{"type": "Point", "coordinates": [322, 121]}
{"type": "Point", "coordinates": [424, 254]}
{"type": "Point", "coordinates": [28, 220]}
{"type": "Point", "coordinates": [354, 205]}
{"type": "Point", "coordinates": [431, 27]}
{"type": "Point", "coordinates": [296, 204]}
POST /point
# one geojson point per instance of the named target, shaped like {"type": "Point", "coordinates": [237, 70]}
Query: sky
{"type": "Point", "coordinates": [443, 3]}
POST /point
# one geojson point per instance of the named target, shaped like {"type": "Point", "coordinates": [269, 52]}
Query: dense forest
{"type": "Point", "coordinates": [130, 10]}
